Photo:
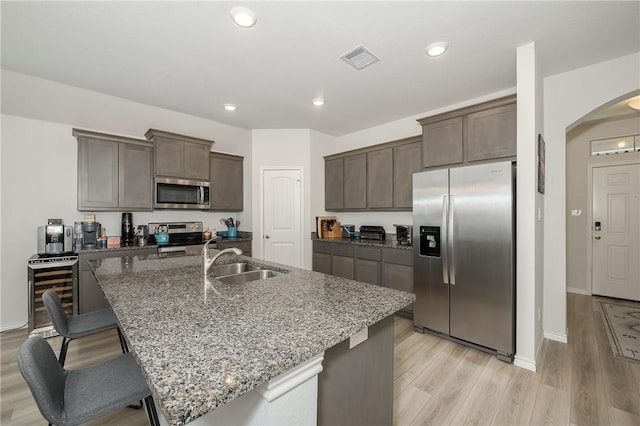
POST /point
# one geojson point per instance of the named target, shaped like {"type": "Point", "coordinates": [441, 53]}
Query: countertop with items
{"type": "Point", "coordinates": [389, 242]}
{"type": "Point", "coordinates": [242, 236]}
{"type": "Point", "coordinates": [202, 342]}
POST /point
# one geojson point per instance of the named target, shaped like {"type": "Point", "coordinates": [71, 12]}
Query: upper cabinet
{"type": "Point", "coordinates": [378, 178]}
{"type": "Point", "coordinates": [480, 132]}
{"type": "Point", "coordinates": [406, 161]}
{"type": "Point", "coordinates": [226, 182]}
{"type": "Point", "coordinates": [180, 156]}
{"type": "Point", "coordinates": [114, 172]}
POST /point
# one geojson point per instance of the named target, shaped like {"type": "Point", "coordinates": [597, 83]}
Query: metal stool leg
{"type": "Point", "coordinates": [123, 342]}
{"type": "Point", "coordinates": [63, 351]}
{"type": "Point", "coordinates": [152, 414]}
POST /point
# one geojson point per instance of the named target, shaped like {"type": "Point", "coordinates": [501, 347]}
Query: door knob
{"type": "Point", "coordinates": [597, 237]}
{"type": "Point", "coordinates": [267, 236]}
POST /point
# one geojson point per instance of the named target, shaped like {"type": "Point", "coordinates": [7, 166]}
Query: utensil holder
{"type": "Point", "coordinates": [232, 232]}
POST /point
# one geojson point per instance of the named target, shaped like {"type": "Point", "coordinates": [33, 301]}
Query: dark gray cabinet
{"type": "Point", "coordinates": [334, 184]}
{"type": "Point", "coordinates": [442, 142]}
{"type": "Point", "coordinates": [90, 295]}
{"type": "Point", "coordinates": [245, 246]}
{"type": "Point", "coordinates": [406, 162]}
{"type": "Point", "coordinates": [226, 182]}
{"type": "Point", "coordinates": [481, 132]}
{"type": "Point", "coordinates": [342, 261]}
{"type": "Point", "coordinates": [367, 265]}
{"type": "Point", "coordinates": [380, 178]}
{"type": "Point", "coordinates": [355, 181]}
{"type": "Point", "coordinates": [397, 271]}
{"type": "Point", "coordinates": [180, 156]}
{"type": "Point", "coordinates": [114, 172]}
{"type": "Point", "coordinates": [491, 133]}
{"type": "Point", "coordinates": [322, 257]}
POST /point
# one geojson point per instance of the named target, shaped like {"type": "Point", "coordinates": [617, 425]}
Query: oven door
{"type": "Point", "coordinates": [182, 194]}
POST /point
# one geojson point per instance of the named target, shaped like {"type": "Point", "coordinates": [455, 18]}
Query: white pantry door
{"type": "Point", "coordinates": [281, 215]}
{"type": "Point", "coordinates": [616, 231]}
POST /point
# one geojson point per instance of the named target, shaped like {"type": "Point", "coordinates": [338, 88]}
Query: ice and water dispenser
{"type": "Point", "coordinates": [430, 241]}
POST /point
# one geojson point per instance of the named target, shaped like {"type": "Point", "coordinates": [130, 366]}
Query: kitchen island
{"type": "Point", "coordinates": [203, 343]}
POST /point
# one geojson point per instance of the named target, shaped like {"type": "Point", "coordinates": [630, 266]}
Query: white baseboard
{"type": "Point", "coordinates": [527, 364]}
{"type": "Point", "coordinates": [562, 338]}
{"type": "Point", "coordinates": [14, 326]}
{"type": "Point", "coordinates": [578, 291]}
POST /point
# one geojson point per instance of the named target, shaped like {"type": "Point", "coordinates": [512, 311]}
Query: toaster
{"type": "Point", "coordinates": [403, 234]}
{"type": "Point", "coordinates": [368, 232]}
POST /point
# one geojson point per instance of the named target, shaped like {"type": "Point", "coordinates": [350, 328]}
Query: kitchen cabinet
{"type": "Point", "coordinates": [388, 267]}
{"type": "Point", "coordinates": [397, 271]}
{"type": "Point", "coordinates": [481, 132]}
{"type": "Point", "coordinates": [180, 156]}
{"type": "Point", "coordinates": [355, 181]}
{"type": "Point", "coordinates": [406, 162]}
{"type": "Point", "coordinates": [245, 245]}
{"type": "Point", "coordinates": [226, 182]}
{"type": "Point", "coordinates": [379, 174]}
{"type": "Point", "coordinates": [114, 172]}
{"type": "Point", "coordinates": [491, 133]}
{"type": "Point", "coordinates": [376, 178]}
{"type": "Point", "coordinates": [322, 257]}
{"type": "Point", "coordinates": [367, 265]}
{"type": "Point", "coordinates": [442, 143]}
{"type": "Point", "coordinates": [342, 261]}
{"type": "Point", "coordinates": [334, 184]}
{"type": "Point", "coordinates": [90, 295]}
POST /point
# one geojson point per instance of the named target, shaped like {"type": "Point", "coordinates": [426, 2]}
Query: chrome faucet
{"type": "Point", "coordinates": [207, 261]}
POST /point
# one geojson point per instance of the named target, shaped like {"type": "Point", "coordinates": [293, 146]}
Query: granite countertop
{"type": "Point", "coordinates": [202, 342]}
{"type": "Point", "coordinates": [388, 243]}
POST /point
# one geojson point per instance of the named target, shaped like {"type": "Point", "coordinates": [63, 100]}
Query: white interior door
{"type": "Point", "coordinates": [281, 215]}
{"type": "Point", "coordinates": [615, 231]}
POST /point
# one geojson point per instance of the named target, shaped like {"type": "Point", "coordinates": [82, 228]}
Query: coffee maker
{"type": "Point", "coordinates": [128, 233]}
{"type": "Point", "coordinates": [91, 231]}
{"type": "Point", "coordinates": [55, 238]}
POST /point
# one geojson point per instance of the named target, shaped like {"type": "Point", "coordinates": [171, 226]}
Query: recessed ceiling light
{"type": "Point", "coordinates": [230, 107]}
{"type": "Point", "coordinates": [635, 103]}
{"type": "Point", "coordinates": [437, 48]}
{"type": "Point", "coordinates": [318, 101]}
{"type": "Point", "coordinates": [243, 17]}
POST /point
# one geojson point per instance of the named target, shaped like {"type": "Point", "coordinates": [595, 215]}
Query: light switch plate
{"type": "Point", "coordinates": [358, 338]}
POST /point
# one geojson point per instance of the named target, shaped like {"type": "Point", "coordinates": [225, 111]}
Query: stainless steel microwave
{"type": "Point", "coordinates": [172, 193]}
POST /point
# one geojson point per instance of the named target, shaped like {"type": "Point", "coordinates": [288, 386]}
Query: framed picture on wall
{"type": "Point", "coordinates": [540, 164]}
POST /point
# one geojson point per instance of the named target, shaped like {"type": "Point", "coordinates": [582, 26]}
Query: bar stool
{"type": "Point", "coordinates": [72, 327]}
{"type": "Point", "coordinates": [70, 397]}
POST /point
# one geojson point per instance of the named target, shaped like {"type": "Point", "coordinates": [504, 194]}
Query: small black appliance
{"type": "Point", "coordinates": [128, 234]}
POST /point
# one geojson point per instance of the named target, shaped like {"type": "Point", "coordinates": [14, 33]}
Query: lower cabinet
{"type": "Point", "coordinates": [90, 295]}
{"type": "Point", "coordinates": [245, 246]}
{"type": "Point", "coordinates": [342, 261]}
{"type": "Point", "coordinates": [397, 271]}
{"type": "Point", "coordinates": [389, 267]}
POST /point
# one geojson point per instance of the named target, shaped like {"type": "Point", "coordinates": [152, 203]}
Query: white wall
{"type": "Point", "coordinates": [529, 266]}
{"type": "Point", "coordinates": [578, 164]}
{"type": "Point", "coordinates": [39, 167]}
{"type": "Point", "coordinates": [568, 97]}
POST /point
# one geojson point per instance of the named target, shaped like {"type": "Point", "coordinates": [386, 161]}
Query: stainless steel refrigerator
{"type": "Point", "coordinates": [464, 255]}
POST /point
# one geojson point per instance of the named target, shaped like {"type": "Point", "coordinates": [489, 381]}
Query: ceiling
{"type": "Point", "coordinates": [190, 57]}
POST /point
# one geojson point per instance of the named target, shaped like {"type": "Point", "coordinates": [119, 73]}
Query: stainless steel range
{"type": "Point", "coordinates": [184, 237]}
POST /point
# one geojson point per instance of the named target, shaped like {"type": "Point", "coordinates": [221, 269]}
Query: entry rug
{"type": "Point", "coordinates": [623, 327]}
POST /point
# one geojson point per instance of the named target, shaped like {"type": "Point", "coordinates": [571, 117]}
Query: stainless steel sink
{"type": "Point", "coordinates": [243, 277]}
{"type": "Point", "coordinates": [231, 269]}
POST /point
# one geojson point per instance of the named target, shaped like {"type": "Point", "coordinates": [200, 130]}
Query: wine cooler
{"type": "Point", "coordinates": [51, 273]}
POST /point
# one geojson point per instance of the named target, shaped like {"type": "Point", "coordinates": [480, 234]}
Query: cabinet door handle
{"type": "Point", "coordinates": [267, 236]}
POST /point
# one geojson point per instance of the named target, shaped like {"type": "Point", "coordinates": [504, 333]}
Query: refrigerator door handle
{"type": "Point", "coordinates": [445, 255]}
{"type": "Point", "coordinates": [451, 248]}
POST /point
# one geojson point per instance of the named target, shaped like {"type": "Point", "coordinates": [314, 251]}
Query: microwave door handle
{"type": "Point", "coordinates": [201, 201]}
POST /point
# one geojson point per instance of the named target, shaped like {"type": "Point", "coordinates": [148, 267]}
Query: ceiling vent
{"type": "Point", "coordinates": [359, 57]}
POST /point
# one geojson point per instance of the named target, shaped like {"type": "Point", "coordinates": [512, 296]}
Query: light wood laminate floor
{"type": "Point", "coordinates": [436, 381]}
